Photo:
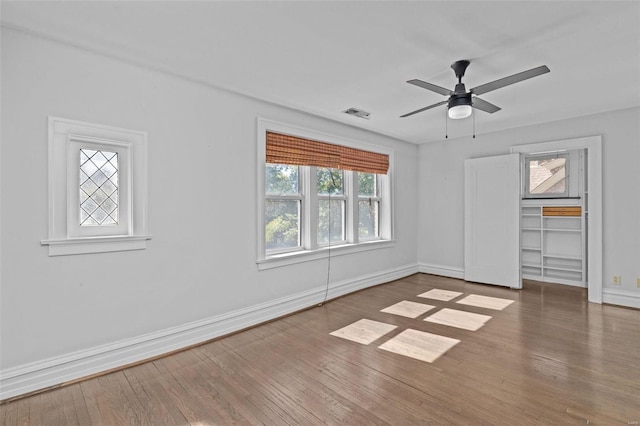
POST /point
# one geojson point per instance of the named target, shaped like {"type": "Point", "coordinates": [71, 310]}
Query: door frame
{"type": "Point", "coordinates": [593, 145]}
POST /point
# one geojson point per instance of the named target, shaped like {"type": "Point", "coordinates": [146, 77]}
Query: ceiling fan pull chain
{"type": "Point", "coordinates": [446, 125]}
{"type": "Point", "coordinates": [473, 118]}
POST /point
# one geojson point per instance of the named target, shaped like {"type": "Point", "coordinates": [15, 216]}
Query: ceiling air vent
{"type": "Point", "coordinates": [357, 112]}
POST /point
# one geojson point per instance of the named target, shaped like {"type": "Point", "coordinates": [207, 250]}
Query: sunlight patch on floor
{"type": "Point", "coordinates": [459, 319]}
{"type": "Point", "coordinates": [419, 345]}
{"type": "Point", "coordinates": [364, 331]}
{"type": "Point", "coordinates": [408, 309]}
{"type": "Point", "coordinates": [438, 294]}
{"type": "Point", "coordinates": [495, 303]}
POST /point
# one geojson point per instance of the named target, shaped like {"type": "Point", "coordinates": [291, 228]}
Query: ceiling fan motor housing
{"type": "Point", "coordinates": [458, 99]}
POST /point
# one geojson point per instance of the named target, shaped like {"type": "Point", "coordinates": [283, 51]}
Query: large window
{"type": "Point", "coordinates": [320, 195]}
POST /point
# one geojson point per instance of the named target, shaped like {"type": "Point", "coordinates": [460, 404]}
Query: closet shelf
{"type": "Point", "coordinates": [552, 243]}
{"type": "Point", "coordinates": [561, 257]}
{"type": "Point", "coordinates": [560, 268]}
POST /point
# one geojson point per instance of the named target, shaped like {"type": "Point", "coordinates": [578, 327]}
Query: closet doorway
{"type": "Point", "coordinates": [551, 230]}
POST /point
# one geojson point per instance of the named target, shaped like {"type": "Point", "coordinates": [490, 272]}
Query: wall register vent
{"type": "Point", "coordinates": [357, 113]}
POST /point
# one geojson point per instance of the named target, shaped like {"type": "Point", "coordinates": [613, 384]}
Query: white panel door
{"type": "Point", "coordinates": [492, 220]}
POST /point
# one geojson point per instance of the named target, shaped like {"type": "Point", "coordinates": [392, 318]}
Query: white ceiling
{"type": "Point", "coordinates": [323, 57]}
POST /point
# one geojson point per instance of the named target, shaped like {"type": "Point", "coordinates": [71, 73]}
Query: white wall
{"type": "Point", "coordinates": [202, 209]}
{"type": "Point", "coordinates": [441, 191]}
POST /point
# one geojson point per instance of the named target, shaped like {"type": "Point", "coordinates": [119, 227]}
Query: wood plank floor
{"type": "Point", "coordinates": [548, 358]}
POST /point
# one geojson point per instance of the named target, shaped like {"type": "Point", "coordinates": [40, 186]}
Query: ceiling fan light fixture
{"type": "Point", "coordinates": [459, 111]}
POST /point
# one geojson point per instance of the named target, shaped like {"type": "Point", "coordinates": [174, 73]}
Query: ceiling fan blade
{"type": "Point", "coordinates": [432, 87]}
{"type": "Point", "coordinates": [424, 109]}
{"type": "Point", "coordinates": [485, 106]}
{"type": "Point", "coordinates": [515, 78]}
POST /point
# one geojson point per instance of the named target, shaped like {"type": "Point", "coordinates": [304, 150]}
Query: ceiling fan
{"type": "Point", "coordinates": [460, 101]}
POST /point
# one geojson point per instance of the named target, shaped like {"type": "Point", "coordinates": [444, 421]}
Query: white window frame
{"type": "Point", "coordinates": [66, 236]}
{"type": "Point", "coordinates": [310, 249]}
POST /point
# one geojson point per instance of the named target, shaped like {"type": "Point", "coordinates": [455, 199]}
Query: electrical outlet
{"type": "Point", "coordinates": [638, 282]}
{"type": "Point", "coordinates": [616, 280]}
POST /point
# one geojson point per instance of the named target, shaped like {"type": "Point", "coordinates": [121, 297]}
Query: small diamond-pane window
{"type": "Point", "coordinates": [98, 187]}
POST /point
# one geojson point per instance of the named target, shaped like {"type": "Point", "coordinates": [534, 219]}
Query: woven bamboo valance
{"type": "Point", "coordinates": [286, 149]}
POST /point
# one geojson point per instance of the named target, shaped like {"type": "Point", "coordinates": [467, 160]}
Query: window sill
{"type": "Point", "coordinates": [559, 197]}
{"type": "Point", "coordinates": [285, 259]}
{"type": "Point", "coordinates": [70, 246]}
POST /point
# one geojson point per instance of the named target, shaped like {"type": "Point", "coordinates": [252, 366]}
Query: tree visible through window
{"type": "Point", "coordinates": [282, 206]}
{"type": "Point", "coordinates": [331, 205]}
{"type": "Point", "coordinates": [368, 206]}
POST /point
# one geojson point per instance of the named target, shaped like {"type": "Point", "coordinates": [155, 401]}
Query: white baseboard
{"type": "Point", "coordinates": [365, 281]}
{"type": "Point", "coordinates": [627, 298]}
{"type": "Point", "coordinates": [72, 366]}
{"type": "Point", "coordinates": [443, 271]}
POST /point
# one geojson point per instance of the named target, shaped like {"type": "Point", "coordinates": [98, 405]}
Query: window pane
{"type": "Point", "coordinates": [330, 221]}
{"type": "Point", "coordinates": [281, 179]}
{"type": "Point", "coordinates": [547, 176]}
{"type": "Point", "coordinates": [330, 181]}
{"type": "Point", "coordinates": [367, 185]}
{"type": "Point", "coordinates": [98, 188]}
{"type": "Point", "coordinates": [282, 219]}
{"type": "Point", "coordinates": [368, 219]}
